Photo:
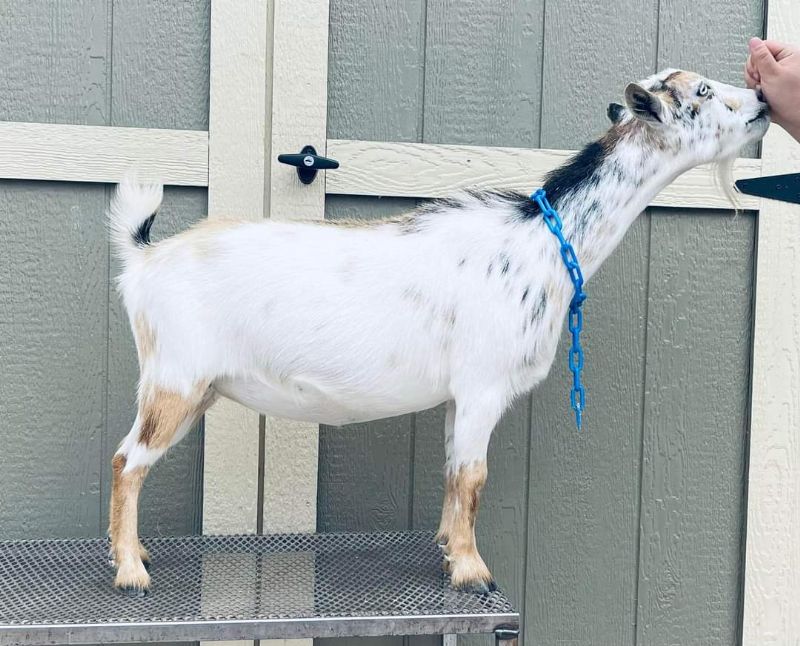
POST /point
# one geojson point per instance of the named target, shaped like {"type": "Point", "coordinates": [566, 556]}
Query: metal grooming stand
{"type": "Point", "coordinates": [242, 587]}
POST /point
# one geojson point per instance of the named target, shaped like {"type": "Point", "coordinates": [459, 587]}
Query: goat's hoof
{"type": "Point", "coordinates": [134, 592]}
{"type": "Point", "coordinates": [480, 587]}
{"type": "Point", "coordinates": [132, 579]}
{"type": "Point", "coordinates": [470, 574]}
{"type": "Point", "coordinates": [441, 538]}
{"type": "Point", "coordinates": [112, 561]}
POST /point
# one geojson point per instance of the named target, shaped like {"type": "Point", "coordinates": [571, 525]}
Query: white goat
{"type": "Point", "coordinates": [461, 301]}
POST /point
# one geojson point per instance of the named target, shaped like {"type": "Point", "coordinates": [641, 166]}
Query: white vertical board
{"type": "Point", "coordinates": [238, 131]}
{"type": "Point", "coordinates": [299, 100]}
{"type": "Point", "coordinates": [299, 94]}
{"type": "Point", "coordinates": [772, 569]}
{"type": "Point", "coordinates": [236, 161]}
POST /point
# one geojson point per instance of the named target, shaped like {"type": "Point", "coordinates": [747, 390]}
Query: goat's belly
{"type": "Point", "coordinates": [309, 400]}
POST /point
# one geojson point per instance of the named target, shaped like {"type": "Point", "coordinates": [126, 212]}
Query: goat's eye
{"type": "Point", "coordinates": [702, 90]}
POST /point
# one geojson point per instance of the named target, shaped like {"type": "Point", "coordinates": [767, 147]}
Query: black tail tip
{"type": "Point", "coordinates": [142, 235]}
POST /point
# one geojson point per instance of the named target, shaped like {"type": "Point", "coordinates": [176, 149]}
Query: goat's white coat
{"type": "Point", "coordinates": [336, 324]}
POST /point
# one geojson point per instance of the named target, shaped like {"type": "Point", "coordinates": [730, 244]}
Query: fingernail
{"type": "Point", "coordinates": [754, 42]}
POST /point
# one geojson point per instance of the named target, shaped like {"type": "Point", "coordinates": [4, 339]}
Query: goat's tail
{"type": "Point", "coordinates": [130, 216]}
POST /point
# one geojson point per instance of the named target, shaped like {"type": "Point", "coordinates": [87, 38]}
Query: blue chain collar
{"type": "Point", "coordinates": [577, 396]}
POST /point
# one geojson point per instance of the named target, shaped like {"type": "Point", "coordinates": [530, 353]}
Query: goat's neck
{"type": "Point", "coordinates": [622, 176]}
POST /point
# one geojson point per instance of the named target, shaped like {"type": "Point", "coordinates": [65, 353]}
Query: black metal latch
{"type": "Point", "coordinates": [308, 163]}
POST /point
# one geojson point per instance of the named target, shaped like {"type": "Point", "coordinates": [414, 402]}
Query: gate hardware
{"type": "Point", "coordinates": [308, 163]}
{"type": "Point", "coordinates": [785, 188]}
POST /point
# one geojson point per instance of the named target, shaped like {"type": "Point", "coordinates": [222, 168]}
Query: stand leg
{"type": "Point", "coordinates": [506, 636]}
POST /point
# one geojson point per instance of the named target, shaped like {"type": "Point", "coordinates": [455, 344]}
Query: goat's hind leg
{"type": "Point", "coordinates": [163, 419]}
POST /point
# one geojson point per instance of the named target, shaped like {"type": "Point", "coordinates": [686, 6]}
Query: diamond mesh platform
{"type": "Point", "coordinates": [240, 587]}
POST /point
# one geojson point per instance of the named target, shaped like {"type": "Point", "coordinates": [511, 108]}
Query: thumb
{"type": "Point", "coordinates": [762, 57]}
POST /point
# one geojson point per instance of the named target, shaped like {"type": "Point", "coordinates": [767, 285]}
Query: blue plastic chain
{"type": "Point", "coordinates": [577, 396]}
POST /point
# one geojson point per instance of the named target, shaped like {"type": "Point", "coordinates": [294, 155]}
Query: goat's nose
{"type": "Point", "coordinates": [759, 93]}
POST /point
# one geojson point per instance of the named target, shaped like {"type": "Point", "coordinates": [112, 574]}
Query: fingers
{"type": "Point", "coordinates": [751, 75]}
{"type": "Point", "coordinates": [779, 50]}
{"type": "Point", "coordinates": [762, 57]}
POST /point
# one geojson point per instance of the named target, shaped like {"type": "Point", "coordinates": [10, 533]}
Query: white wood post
{"type": "Point", "coordinates": [236, 160]}
{"type": "Point", "coordinates": [299, 93]}
{"type": "Point", "coordinates": [772, 570]}
{"type": "Point", "coordinates": [236, 187]}
{"type": "Point", "coordinates": [268, 95]}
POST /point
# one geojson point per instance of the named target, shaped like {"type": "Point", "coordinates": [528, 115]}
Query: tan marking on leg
{"type": "Point", "coordinates": [466, 566]}
{"type": "Point", "coordinates": [145, 338]}
{"type": "Point", "coordinates": [125, 546]}
{"type": "Point", "coordinates": [448, 509]}
{"type": "Point", "coordinates": [163, 412]}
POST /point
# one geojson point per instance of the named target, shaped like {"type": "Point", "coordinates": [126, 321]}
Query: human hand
{"type": "Point", "coordinates": [774, 68]}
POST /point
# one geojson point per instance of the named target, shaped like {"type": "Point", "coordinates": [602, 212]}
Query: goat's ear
{"type": "Point", "coordinates": [643, 104]}
{"type": "Point", "coordinates": [615, 111]}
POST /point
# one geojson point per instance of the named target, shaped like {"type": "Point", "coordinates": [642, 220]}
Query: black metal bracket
{"type": "Point", "coordinates": [308, 163]}
{"type": "Point", "coordinates": [785, 188]}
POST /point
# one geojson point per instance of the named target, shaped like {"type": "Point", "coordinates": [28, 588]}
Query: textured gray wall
{"type": "Point", "coordinates": [67, 382]}
{"type": "Point", "coordinates": [631, 532]}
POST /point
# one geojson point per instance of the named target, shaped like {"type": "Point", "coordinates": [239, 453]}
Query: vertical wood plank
{"type": "Point", "coordinates": [54, 259]}
{"type": "Point", "coordinates": [772, 577]}
{"type": "Point", "coordinates": [56, 61]}
{"type": "Point", "coordinates": [698, 355]}
{"type": "Point", "coordinates": [238, 128]}
{"type": "Point", "coordinates": [693, 452]}
{"type": "Point", "coordinates": [161, 64]}
{"type": "Point", "coordinates": [482, 80]}
{"type": "Point", "coordinates": [591, 51]}
{"type": "Point", "coordinates": [299, 91]}
{"type": "Point", "coordinates": [712, 39]}
{"type": "Point", "coordinates": [149, 92]}
{"type": "Point", "coordinates": [375, 89]}
{"type": "Point", "coordinates": [364, 479]}
{"type": "Point", "coordinates": [483, 72]}
{"type": "Point", "coordinates": [584, 487]}
{"type": "Point", "coordinates": [236, 188]}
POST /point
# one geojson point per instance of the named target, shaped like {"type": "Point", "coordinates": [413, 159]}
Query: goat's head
{"type": "Point", "coordinates": [698, 119]}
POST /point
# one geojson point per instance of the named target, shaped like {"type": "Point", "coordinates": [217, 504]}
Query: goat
{"type": "Point", "coordinates": [460, 302]}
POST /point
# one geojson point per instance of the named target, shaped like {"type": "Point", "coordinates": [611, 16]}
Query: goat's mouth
{"type": "Point", "coordinates": [762, 114]}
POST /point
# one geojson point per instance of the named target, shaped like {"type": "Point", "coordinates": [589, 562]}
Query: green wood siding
{"type": "Point", "coordinates": [67, 384]}
{"type": "Point", "coordinates": [631, 532]}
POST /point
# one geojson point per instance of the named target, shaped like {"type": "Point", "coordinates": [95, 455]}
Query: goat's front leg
{"type": "Point", "coordinates": [446, 523]}
{"type": "Point", "coordinates": [466, 474]}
